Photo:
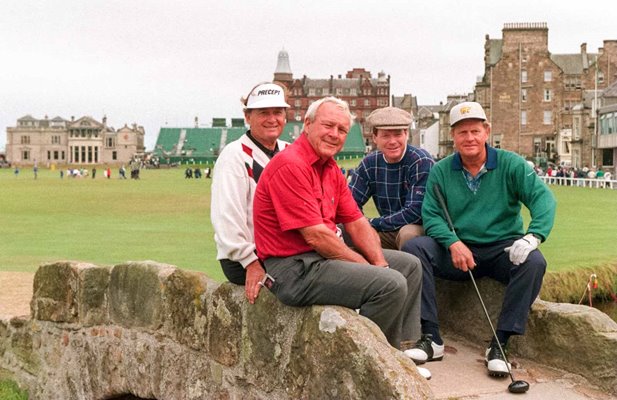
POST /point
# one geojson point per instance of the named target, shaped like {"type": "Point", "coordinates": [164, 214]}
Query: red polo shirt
{"type": "Point", "coordinates": [298, 189]}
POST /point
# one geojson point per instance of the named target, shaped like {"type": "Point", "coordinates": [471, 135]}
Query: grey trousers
{"type": "Point", "coordinates": [390, 297]}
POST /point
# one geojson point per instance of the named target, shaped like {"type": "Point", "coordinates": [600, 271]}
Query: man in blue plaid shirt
{"type": "Point", "coordinates": [394, 176]}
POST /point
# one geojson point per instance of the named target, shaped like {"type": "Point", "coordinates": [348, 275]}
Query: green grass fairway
{"type": "Point", "coordinates": [166, 218]}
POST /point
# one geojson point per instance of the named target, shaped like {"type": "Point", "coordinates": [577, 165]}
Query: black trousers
{"type": "Point", "coordinates": [523, 282]}
{"type": "Point", "coordinates": [234, 271]}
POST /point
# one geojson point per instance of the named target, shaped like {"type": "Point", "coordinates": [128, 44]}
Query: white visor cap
{"type": "Point", "coordinates": [266, 96]}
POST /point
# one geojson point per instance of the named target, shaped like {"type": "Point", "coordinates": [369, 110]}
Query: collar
{"type": "Point", "coordinates": [491, 159]}
{"type": "Point", "coordinates": [307, 150]}
{"type": "Point", "coordinates": [267, 151]}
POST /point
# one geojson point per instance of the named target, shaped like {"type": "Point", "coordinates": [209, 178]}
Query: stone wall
{"type": "Point", "coordinates": [575, 338]}
{"type": "Point", "coordinates": [159, 332]}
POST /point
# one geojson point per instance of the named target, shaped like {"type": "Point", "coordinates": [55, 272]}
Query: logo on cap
{"type": "Point", "coordinates": [465, 110]}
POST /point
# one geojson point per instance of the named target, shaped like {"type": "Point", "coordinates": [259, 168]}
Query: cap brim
{"type": "Point", "coordinates": [392, 126]}
{"type": "Point", "coordinates": [268, 104]}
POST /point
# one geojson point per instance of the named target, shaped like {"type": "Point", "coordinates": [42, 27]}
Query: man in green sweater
{"type": "Point", "coordinates": [483, 188]}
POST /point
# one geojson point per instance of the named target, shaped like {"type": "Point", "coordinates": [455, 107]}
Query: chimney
{"type": "Point", "coordinates": [196, 122]}
{"type": "Point", "coordinates": [583, 48]}
{"type": "Point", "coordinates": [104, 119]}
{"type": "Point", "coordinates": [72, 118]}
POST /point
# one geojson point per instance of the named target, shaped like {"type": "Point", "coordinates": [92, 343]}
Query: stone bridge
{"type": "Point", "coordinates": [158, 332]}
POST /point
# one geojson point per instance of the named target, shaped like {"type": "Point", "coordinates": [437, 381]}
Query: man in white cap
{"type": "Point", "coordinates": [483, 188]}
{"type": "Point", "coordinates": [236, 173]}
{"type": "Point", "coordinates": [394, 176]}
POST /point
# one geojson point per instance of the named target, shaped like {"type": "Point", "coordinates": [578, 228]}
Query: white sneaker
{"type": "Point", "coordinates": [425, 350]}
{"type": "Point", "coordinates": [426, 374]}
{"type": "Point", "coordinates": [495, 362]}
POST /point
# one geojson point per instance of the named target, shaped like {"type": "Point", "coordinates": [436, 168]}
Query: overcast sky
{"type": "Point", "coordinates": [162, 63]}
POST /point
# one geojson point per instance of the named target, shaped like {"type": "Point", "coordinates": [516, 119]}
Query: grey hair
{"type": "Point", "coordinates": [311, 113]}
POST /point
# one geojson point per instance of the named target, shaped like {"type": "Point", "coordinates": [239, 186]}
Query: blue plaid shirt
{"type": "Point", "coordinates": [397, 189]}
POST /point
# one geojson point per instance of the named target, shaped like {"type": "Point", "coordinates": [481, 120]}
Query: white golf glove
{"type": "Point", "coordinates": [521, 248]}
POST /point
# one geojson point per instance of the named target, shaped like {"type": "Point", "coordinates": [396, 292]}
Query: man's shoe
{"type": "Point", "coordinates": [495, 361]}
{"type": "Point", "coordinates": [425, 350]}
{"type": "Point", "coordinates": [426, 374]}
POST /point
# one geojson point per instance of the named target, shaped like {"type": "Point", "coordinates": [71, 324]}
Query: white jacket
{"type": "Point", "coordinates": [233, 189]}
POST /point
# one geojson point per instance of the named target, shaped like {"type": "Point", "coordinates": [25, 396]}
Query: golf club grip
{"type": "Point", "coordinates": [442, 203]}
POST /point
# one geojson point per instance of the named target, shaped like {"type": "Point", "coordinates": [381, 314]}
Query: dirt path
{"type": "Point", "coordinates": [15, 293]}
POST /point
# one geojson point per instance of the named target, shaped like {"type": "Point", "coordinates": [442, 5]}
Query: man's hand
{"type": "Point", "coordinates": [254, 275]}
{"type": "Point", "coordinates": [461, 256]}
{"type": "Point", "coordinates": [520, 249]}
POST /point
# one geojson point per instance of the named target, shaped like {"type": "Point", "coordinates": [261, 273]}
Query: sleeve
{"type": "Point", "coordinates": [359, 186]}
{"type": "Point", "coordinates": [293, 198]}
{"type": "Point", "coordinates": [433, 216]}
{"type": "Point", "coordinates": [230, 199]}
{"type": "Point", "coordinates": [537, 197]}
{"type": "Point", "coordinates": [411, 212]}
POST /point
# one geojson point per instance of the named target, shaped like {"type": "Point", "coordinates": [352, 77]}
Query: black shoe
{"type": "Point", "coordinates": [425, 350]}
{"type": "Point", "coordinates": [495, 361]}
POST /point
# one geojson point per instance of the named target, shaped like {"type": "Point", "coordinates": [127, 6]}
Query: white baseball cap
{"type": "Point", "coordinates": [466, 110]}
{"type": "Point", "coordinates": [265, 96]}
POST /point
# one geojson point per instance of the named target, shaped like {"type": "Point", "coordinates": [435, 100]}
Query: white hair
{"type": "Point", "coordinates": [311, 113]}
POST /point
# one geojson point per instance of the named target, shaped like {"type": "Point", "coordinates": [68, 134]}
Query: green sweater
{"type": "Point", "coordinates": [493, 213]}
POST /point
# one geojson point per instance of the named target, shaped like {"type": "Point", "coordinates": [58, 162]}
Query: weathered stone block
{"type": "Point", "coordinates": [55, 292]}
{"type": "Point", "coordinates": [185, 307]}
{"type": "Point", "coordinates": [136, 294]}
{"type": "Point", "coordinates": [225, 316]}
{"type": "Point", "coordinates": [92, 294]}
{"type": "Point", "coordinates": [574, 337]}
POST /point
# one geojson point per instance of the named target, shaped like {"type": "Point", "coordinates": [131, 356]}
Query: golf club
{"type": "Point", "coordinates": [515, 386]}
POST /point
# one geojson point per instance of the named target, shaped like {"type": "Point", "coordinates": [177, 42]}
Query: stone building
{"type": "Point", "coordinates": [607, 130]}
{"type": "Point", "coordinates": [82, 141]}
{"type": "Point", "coordinates": [363, 92]}
{"type": "Point", "coordinates": [542, 105]}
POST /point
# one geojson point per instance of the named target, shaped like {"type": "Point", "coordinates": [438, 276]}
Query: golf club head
{"type": "Point", "coordinates": [518, 387]}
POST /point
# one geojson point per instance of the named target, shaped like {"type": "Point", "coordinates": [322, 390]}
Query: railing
{"type": "Point", "coordinates": [580, 182]}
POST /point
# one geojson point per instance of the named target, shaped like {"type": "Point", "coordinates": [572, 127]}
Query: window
{"type": "Point", "coordinates": [523, 76]}
{"type": "Point", "coordinates": [523, 117]}
{"type": "Point", "coordinates": [382, 102]}
{"type": "Point", "coordinates": [110, 142]}
{"type": "Point", "coordinates": [367, 102]}
{"type": "Point", "coordinates": [600, 77]}
{"type": "Point", "coordinates": [547, 95]}
{"type": "Point", "coordinates": [325, 91]}
{"type": "Point", "coordinates": [523, 94]}
{"type": "Point", "coordinates": [339, 91]}
{"type": "Point", "coordinates": [548, 118]}
{"type": "Point", "coordinates": [25, 155]}
{"type": "Point", "coordinates": [576, 128]}
{"type": "Point", "coordinates": [25, 140]}
{"type": "Point", "coordinates": [353, 92]}
{"type": "Point", "coordinates": [353, 102]}
{"type": "Point", "coordinates": [537, 146]}
{"type": "Point", "coordinates": [48, 155]}
{"type": "Point", "coordinates": [297, 102]}
{"type": "Point", "coordinates": [497, 141]}
{"type": "Point", "coordinates": [548, 75]}
{"type": "Point", "coordinates": [55, 139]}
{"type": "Point", "coordinates": [311, 92]}
{"type": "Point", "coordinates": [114, 155]}
{"type": "Point", "coordinates": [62, 154]}
{"type": "Point", "coordinates": [366, 92]}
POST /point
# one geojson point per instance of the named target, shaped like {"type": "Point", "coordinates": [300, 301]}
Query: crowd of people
{"type": "Point", "coordinates": [287, 218]}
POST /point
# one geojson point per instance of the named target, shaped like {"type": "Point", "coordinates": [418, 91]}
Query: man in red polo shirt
{"type": "Point", "coordinates": [300, 198]}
